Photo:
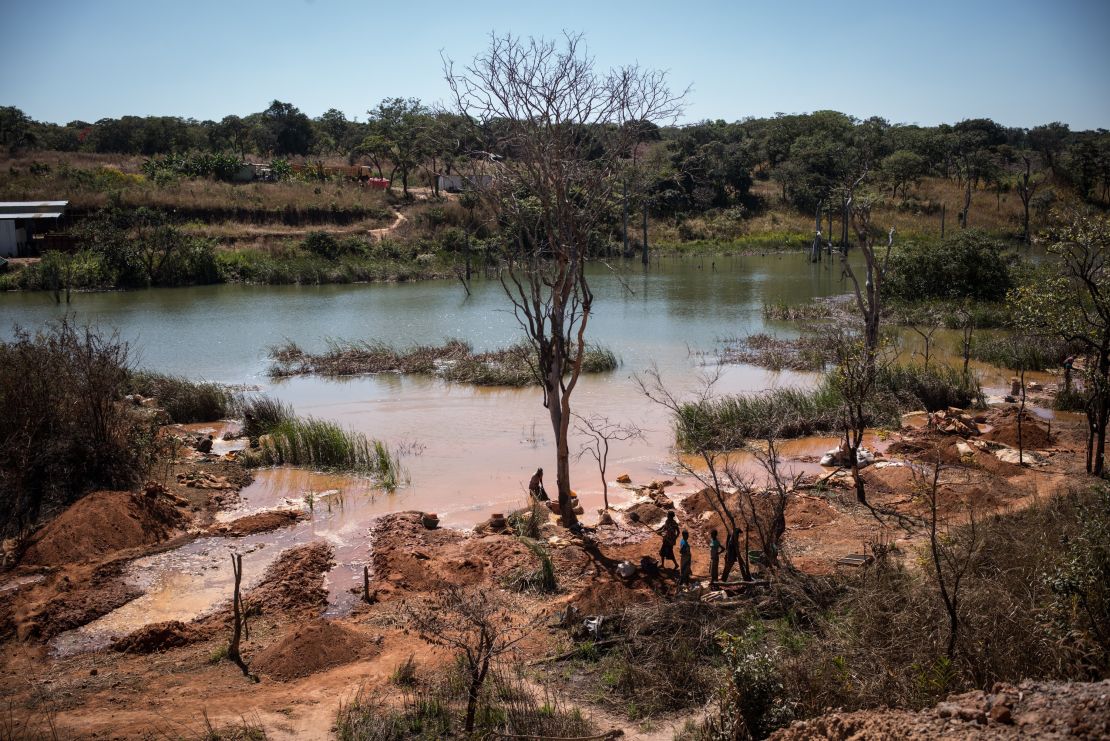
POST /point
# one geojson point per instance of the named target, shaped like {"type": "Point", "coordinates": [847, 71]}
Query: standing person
{"type": "Point", "coordinates": [669, 531]}
{"type": "Point", "coordinates": [732, 551]}
{"type": "Point", "coordinates": [684, 553]}
{"type": "Point", "coordinates": [535, 486]}
{"type": "Point", "coordinates": [714, 556]}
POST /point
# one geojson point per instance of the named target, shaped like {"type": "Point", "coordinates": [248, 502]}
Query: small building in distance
{"type": "Point", "coordinates": [457, 182]}
{"type": "Point", "coordinates": [26, 226]}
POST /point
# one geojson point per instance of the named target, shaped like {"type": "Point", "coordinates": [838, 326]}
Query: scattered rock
{"type": "Point", "coordinates": [624, 478]}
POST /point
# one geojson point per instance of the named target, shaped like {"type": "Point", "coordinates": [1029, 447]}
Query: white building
{"type": "Point", "coordinates": [20, 221]}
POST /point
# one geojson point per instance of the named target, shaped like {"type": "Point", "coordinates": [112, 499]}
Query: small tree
{"type": "Point", "coordinates": [952, 554]}
{"type": "Point", "coordinates": [854, 378]}
{"type": "Point", "coordinates": [475, 623]}
{"type": "Point", "coordinates": [869, 297]}
{"type": "Point", "coordinates": [601, 431]}
{"type": "Point", "coordinates": [1074, 305]}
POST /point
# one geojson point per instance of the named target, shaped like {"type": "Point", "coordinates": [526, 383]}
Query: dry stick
{"type": "Point", "coordinates": [237, 610]}
{"type": "Point", "coordinates": [533, 737]}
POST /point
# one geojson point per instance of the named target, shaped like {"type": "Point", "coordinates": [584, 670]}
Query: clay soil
{"type": "Point", "coordinates": [163, 679]}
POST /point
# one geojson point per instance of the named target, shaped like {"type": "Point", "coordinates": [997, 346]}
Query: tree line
{"type": "Point", "coordinates": [814, 158]}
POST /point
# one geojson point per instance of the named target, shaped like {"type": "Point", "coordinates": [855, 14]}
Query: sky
{"type": "Point", "coordinates": [1020, 62]}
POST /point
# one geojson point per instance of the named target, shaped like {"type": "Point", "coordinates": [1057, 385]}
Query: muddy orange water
{"type": "Point", "coordinates": [470, 451]}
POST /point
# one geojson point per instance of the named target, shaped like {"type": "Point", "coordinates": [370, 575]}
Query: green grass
{"type": "Point", "coordinates": [184, 400]}
{"type": "Point", "coordinates": [1035, 354]}
{"type": "Point", "coordinates": [321, 444]}
{"type": "Point", "coordinates": [453, 361]}
{"type": "Point", "coordinates": [730, 421]}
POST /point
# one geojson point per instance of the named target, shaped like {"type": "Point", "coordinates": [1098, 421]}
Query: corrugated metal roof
{"type": "Point", "coordinates": [33, 205]}
{"type": "Point", "coordinates": [32, 215]}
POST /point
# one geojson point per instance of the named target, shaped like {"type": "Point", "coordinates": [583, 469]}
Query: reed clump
{"type": "Point", "coordinates": [184, 400]}
{"type": "Point", "coordinates": [454, 360]}
{"type": "Point", "coordinates": [728, 422]}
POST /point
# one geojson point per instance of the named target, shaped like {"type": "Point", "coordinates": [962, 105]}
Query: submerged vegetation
{"type": "Point", "coordinates": [453, 361]}
{"type": "Point", "coordinates": [284, 439]}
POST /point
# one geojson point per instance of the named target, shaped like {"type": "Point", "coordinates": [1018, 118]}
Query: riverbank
{"type": "Point", "coordinates": [314, 642]}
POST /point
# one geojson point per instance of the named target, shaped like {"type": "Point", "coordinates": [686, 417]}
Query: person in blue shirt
{"type": "Point", "coordinates": [684, 554]}
{"type": "Point", "coordinates": [714, 556]}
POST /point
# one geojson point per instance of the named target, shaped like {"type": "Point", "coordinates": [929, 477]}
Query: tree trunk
{"type": "Point", "coordinates": [559, 410]}
{"type": "Point", "coordinates": [644, 247]}
{"type": "Point", "coordinates": [625, 230]}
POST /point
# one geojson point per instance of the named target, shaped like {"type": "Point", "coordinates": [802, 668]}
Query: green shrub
{"type": "Point", "coordinates": [64, 429]}
{"type": "Point", "coordinates": [969, 264]}
{"type": "Point", "coordinates": [184, 400]}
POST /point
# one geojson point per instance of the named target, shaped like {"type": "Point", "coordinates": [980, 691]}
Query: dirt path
{"type": "Point", "coordinates": [381, 234]}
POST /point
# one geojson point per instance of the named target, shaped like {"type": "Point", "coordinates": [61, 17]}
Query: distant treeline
{"type": "Point", "coordinates": [813, 157]}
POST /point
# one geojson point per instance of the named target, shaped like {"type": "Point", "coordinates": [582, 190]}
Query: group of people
{"type": "Point", "coordinates": [672, 534]}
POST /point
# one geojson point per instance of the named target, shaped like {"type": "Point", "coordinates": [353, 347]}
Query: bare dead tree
{"type": "Point", "coordinates": [600, 431]}
{"type": "Point", "coordinates": [713, 448]}
{"type": "Point", "coordinates": [952, 554]}
{"type": "Point", "coordinates": [475, 623]}
{"type": "Point", "coordinates": [926, 336]}
{"type": "Point", "coordinates": [560, 127]}
{"type": "Point", "coordinates": [967, 327]}
{"type": "Point", "coordinates": [1027, 188]}
{"type": "Point", "coordinates": [854, 377]}
{"type": "Point", "coordinates": [765, 503]}
{"type": "Point", "coordinates": [869, 297]}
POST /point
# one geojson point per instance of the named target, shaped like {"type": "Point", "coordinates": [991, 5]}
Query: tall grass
{"type": "Point", "coordinates": [454, 360]}
{"type": "Point", "coordinates": [184, 400]}
{"type": "Point", "coordinates": [507, 708]}
{"type": "Point", "coordinates": [729, 421]}
{"type": "Point", "coordinates": [262, 414]}
{"type": "Point", "coordinates": [1037, 354]}
{"type": "Point", "coordinates": [318, 443]}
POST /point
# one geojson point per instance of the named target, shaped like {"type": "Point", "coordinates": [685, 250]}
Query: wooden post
{"type": "Point", "coordinates": [237, 612]}
{"type": "Point", "coordinates": [366, 584]}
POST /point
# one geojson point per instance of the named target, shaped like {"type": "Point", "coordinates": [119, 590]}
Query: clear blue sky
{"type": "Point", "coordinates": [1021, 62]}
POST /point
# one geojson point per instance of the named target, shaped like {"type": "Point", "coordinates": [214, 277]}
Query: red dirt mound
{"type": "Point", "coordinates": [260, 522]}
{"type": "Point", "coordinates": [158, 637]}
{"type": "Point", "coordinates": [310, 648]}
{"type": "Point", "coordinates": [1034, 435]}
{"type": "Point", "coordinates": [295, 581]}
{"type": "Point", "coordinates": [102, 523]}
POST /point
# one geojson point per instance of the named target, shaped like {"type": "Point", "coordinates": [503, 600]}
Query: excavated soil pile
{"type": "Point", "coordinates": [1043, 710]}
{"type": "Point", "coordinates": [647, 513]}
{"type": "Point", "coordinates": [261, 522]}
{"type": "Point", "coordinates": [295, 581]}
{"type": "Point", "coordinates": [1034, 435]}
{"type": "Point", "coordinates": [102, 523]}
{"type": "Point", "coordinates": [64, 603]}
{"type": "Point", "coordinates": [408, 555]}
{"type": "Point", "coordinates": [310, 648]}
{"type": "Point", "coordinates": [158, 637]}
